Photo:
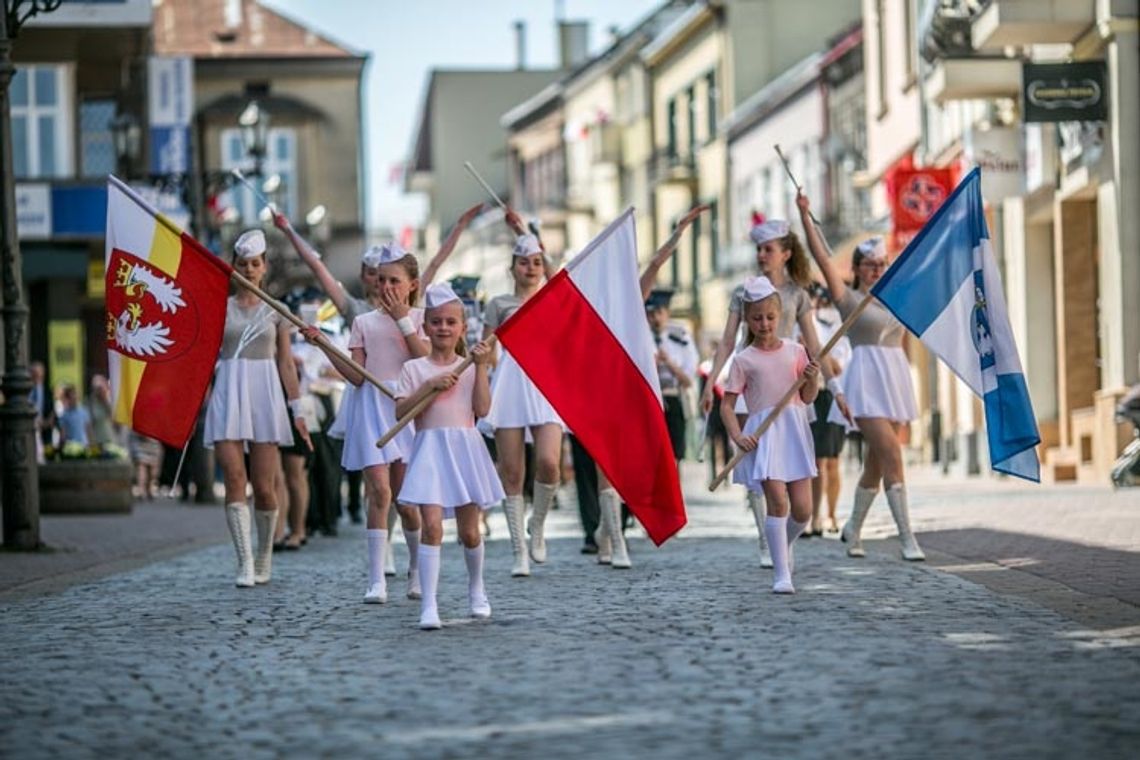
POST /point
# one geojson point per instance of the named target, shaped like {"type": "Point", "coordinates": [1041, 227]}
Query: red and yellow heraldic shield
{"type": "Point", "coordinates": [166, 309]}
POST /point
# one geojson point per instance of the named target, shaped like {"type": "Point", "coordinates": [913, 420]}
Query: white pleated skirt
{"type": "Point", "coordinates": [368, 414]}
{"type": "Point", "coordinates": [515, 401]}
{"type": "Point", "coordinates": [247, 404]}
{"type": "Point", "coordinates": [451, 467]}
{"type": "Point", "coordinates": [877, 383]}
{"type": "Point", "coordinates": [785, 451]}
{"type": "Point", "coordinates": [340, 422]}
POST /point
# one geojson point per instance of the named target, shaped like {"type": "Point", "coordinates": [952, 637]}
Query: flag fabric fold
{"type": "Point", "coordinates": [945, 287]}
{"type": "Point", "coordinates": [166, 309]}
{"type": "Point", "coordinates": [584, 341]}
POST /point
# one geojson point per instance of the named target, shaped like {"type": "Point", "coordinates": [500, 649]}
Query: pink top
{"type": "Point", "coordinates": [452, 408]}
{"type": "Point", "coordinates": [385, 349]}
{"type": "Point", "coordinates": [763, 377]}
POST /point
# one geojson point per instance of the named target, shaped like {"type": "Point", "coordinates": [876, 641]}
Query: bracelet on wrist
{"type": "Point", "coordinates": [835, 386]}
{"type": "Point", "coordinates": [407, 327]}
{"type": "Point", "coordinates": [295, 406]}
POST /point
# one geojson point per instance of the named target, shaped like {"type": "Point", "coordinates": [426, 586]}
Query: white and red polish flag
{"type": "Point", "coordinates": [584, 341]}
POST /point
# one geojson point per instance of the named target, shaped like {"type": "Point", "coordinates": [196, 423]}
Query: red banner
{"type": "Point", "coordinates": [916, 194]}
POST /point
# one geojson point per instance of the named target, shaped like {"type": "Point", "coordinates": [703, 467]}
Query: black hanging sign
{"type": "Point", "coordinates": [1064, 91]}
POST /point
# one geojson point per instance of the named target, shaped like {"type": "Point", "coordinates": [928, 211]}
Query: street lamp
{"type": "Point", "coordinates": [127, 138]}
{"type": "Point", "coordinates": [19, 476]}
{"type": "Point", "coordinates": [254, 134]}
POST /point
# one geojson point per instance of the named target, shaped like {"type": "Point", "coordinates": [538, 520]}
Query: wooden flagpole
{"type": "Point", "coordinates": [427, 399]}
{"type": "Point", "coordinates": [300, 324]}
{"type": "Point", "coordinates": [767, 423]}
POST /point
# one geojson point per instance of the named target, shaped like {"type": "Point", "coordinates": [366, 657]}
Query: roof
{"type": "Point", "coordinates": [237, 29]}
{"type": "Point", "coordinates": [678, 30]}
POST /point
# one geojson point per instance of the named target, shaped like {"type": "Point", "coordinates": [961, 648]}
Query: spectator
{"type": "Point", "coordinates": [74, 421]}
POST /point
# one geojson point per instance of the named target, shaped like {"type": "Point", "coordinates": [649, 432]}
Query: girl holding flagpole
{"type": "Point", "coordinates": [781, 258]}
{"type": "Point", "coordinates": [877, 384]}
{"type": "Point", "coordinates": [516, 406]}
{"type": "Point", "coordinates": [782, 462]}
{"type": "Point", "coordinates": [381, 340]}
{"type": "Point", "coordinates": [247, 411]}
{"type": "Point", "coordinates": [450, 473]}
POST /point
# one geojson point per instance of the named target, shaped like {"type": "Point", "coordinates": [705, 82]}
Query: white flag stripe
{"type": "Point", "coordinates": [949, 333]}
{"type": "Point", "coordinates": [605, 278]}
{"type": "Point", "coordinates": [1007, 360]}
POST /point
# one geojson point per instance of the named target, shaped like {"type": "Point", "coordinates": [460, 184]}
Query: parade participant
{"type": "Point", "coordinates": [381, 341]}
{"type": "Point", "coordinates": [676, 364]}
{"type": "Point", "coordinates": [877, 383]}
{"type": "Point", "coordinates": [450, 472]}
{"type": "Point", "coordinates": [247, 411]}
{"type": "Point", "coordinates": [781, 258]}
{"type": "Point", "coordinates": [782, 462]}
{"type": "Point", "coordinates": [517, 406]}
{"type": "Point", "coordinates": [827, 435]}
{"type": "Point", "coordinates": [351, 307]}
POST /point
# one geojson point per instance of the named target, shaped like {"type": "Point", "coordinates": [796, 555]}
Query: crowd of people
{"type": "Point", "coordinates": [289, 411]}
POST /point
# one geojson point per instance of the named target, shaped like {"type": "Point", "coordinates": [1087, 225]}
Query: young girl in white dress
{"type": "Point", "coordinates": [782, 462]}
{"type": "Point", "coordinates": [516, 406]}
{"type": "Point", "coordinates": [247, 412]}
{"type": "Point", "coordinates": [381, 341]}
{"type": "Point", "coordinates": [450, 472]}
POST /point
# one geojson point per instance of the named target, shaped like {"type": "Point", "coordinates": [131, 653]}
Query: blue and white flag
{"type": "Point", "coordinates": [946, 289]}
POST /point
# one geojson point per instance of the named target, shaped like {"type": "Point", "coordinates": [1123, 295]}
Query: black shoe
{"type": "Point", "coordinates": [589, 547]}
{"type": "Point", "coordinates": [355, 517]}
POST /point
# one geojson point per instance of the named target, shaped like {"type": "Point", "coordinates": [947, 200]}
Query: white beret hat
{"type": "Point", "coordinates": [757, 289]}
{"type": "Point", "coordinates": [382, 254]}
{"type": "Point", "coordinates": [527, 245]}
{"type": "Point", "coordinates": [872, 248]}
{"type": "Point", "coordinates": [250, 244]}
{"type": "Point", "coordinates": [773, 229]}
{"type": "Point", "coordinates": [439, 294]}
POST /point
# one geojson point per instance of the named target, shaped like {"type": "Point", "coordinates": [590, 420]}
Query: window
{"type": "Point", "coordinates": [675, 263]}
{"type": "Point", "coordinates": [691, 103]}
{"type": "Point", "coordinates": [711, 97]}
{"type": "Point", "coordinates": [695, 255]}
{"type": "Point", "coordinates": [881, 34]}
{"type": "Point", "coordinates": [41, 122]}
{"type": "Point", "coordinates": [671, 125]}
{"type": "Point", "coordinates": [714, 236]}
{"type": "Point", "coordinates": [96, 145]}
{"type": "Point", "coordinates": [911, 44]}
{"type": "Point", "coordinates": [280, 159]}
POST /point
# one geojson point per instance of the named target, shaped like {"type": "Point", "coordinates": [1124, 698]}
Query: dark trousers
{"type": "Point", "coordinates": [355, 480]}
{"type": "Point", "coordinates": [324, 485]}
{"type": "Point", "coordinates": [586, 483]}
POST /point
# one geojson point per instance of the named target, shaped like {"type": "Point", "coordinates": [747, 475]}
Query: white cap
{"type": "Point", "coordinates": [773, 229]}
{"type": "Point", "coordinates": [872, 248]}
{"type": "Point", "coordinates": [757, 289]}
{"type": "Point", "coordinates": [527, 245]}
{"type": "Point", "coordinates": [250, 244]}
{"type": "Point", "coordinates": [382, 254]}
{"type": "Point", "coordinates": [439, 294]}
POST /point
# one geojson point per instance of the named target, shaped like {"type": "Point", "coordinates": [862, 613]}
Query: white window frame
{"type": "Point", "coordinates": [64, 113]}
{"type": "Point", "coordinates": [240, 197]}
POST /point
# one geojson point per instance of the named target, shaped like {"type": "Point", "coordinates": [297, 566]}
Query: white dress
{"type": "Point", "coordinates": [247, 402]}
{"type": "Point", "coordinates": [515, 401]}
{"type": "Point", "coordinates": [449, 462]}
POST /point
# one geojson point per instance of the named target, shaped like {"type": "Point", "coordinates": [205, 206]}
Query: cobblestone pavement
{"type": "Point", "coordinates": [686, 655]}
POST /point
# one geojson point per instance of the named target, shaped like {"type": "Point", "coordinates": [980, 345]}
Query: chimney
{"type": "Point", "coordinates": [520, 44]}
{"type": "Point", "coordinates": [573, 43]}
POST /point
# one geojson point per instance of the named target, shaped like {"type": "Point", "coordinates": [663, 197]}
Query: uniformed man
{"type": "Point", "coordinates": [676, 364]}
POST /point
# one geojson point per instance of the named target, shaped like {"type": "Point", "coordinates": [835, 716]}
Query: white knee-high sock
{"type": "Point", "coordinates": [429, 577]}
{"type": "Point", "coordinates": [795, 530]}
{"type": "Point", "coordinates": [377, 544]}
{"type": "Point", "coordinates": [413, 539]}
{"type": "Point", "coordinates": [474, 559]}
{"type": "Point", "coordinates": [776, 529]}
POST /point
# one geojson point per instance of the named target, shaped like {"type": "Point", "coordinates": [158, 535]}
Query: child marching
{"type": "Point", "coordinates": [450, 472]}
{"type": "Point", "coordinates": [781, 463]}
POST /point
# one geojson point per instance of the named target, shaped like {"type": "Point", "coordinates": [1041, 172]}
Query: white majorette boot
{"type": "Point", "coordinates": [543, 499]}
{"type": "Point", "coordinates": [777, 530]}
{"type": "Point", "coordinates": [610, 504]}
{"type": "Point", "coordinates": [389, 555]}
{"type": "Point", "coordinates": [602, 539]}
{"type": "Point", "coordinates": [238, 520]}
{"type": "Point", "coordinates": [377, 592]}
{"type": "Point", "coordinates": [266, 520]}
{"type": "Point", "coordinates": [515, 507]}
{"type": "Point", "coordinates": [896, 499]}
{"type": "Point", "coordinates": [853, 528]}
{"type": "Point", "coordinates": [759, 511]}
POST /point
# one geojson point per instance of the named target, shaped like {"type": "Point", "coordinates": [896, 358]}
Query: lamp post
{"type": "Point", "coordinates": [254, 125]}
{"type": "Point", "coordinates": [19, 477]}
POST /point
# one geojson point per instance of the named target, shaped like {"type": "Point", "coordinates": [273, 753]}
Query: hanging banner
{"type": "Point", "coordinates": [1064, 91]}
{"type": "Point", "coordinates": [917, 195]}
{"type": "Point", "coordinates": [998, 153]}
{"type": "Point", "coordinates": [171, 98]}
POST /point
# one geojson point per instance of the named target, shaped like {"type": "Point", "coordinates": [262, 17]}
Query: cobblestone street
{"type": "Point", "coordinates": [686, 655]}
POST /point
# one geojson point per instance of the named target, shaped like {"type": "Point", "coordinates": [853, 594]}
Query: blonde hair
{"type": "Point", "coordinates": [412, 269]}
{"type": "Point", "coordinates": [799, 266]}
{"type": "Point", "coordinates": [749, 337]}
{"type": "Point", "coordinates": [461, 344]}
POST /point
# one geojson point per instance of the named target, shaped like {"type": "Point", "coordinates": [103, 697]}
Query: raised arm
{"type": "Point", "coordinates": [312, 259]}
{"type": "Point", "coordinates": [448, 245]}
{"type": "Point", "coordinates": [649, 276]}
{"type": "Point", "coordinates": [819, 251]}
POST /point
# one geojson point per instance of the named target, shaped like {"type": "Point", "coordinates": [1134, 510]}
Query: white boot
{"type": "Point", "coordinates": [610, 505]}
{"type": "Point", "coordinates": [476, 592]}
{"type": "Point", "coordinates": [389, 555]}
{"type": "Point", "coordinates": [515, 508]}
{"type": "Point", "coordinates": [777, 530]}
{"type": "Point", "coordinates": [795, 530]}
{"type": "Point", "coordinates": [853, 528]}
{"type": "Point", "coordinates": [759, 511]}
{"type": "Point", "coordinates": [896, 499]}
{"type": "Point", "coordinates": [238, 520]}
{"type": "Point", "coordinates": [377, 592]}
{"type": "Point", "coordinates": [266, 520]}
{"type": "Point", "coordinates": [429, 577]}
{"type": "Point", "coordinates": [543, 498]}
{"type": "Point", "coordinates": [412, 537]}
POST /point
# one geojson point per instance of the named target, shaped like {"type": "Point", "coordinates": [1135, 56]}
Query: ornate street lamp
{"type": "Point", "coordinates": [254, 125]}
{"type": "Point", "coordinates": [19, 476]}
{"type": "Point", "coordinates": [127, 138]}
